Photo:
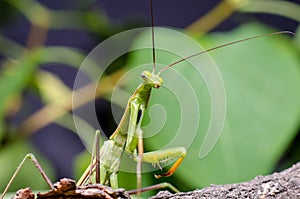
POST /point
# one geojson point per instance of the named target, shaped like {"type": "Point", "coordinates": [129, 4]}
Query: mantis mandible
{"type": "Point", "coordinates": [128, 135]}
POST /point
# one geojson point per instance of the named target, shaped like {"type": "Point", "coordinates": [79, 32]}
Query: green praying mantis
{"type": "Point", "coordinates": [128, 137]}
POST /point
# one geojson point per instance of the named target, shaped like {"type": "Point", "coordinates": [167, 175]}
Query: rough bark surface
{"type": "Point", "coordinates": [67, 189]}
{"type": "Point", "coordinates": [283, 185]}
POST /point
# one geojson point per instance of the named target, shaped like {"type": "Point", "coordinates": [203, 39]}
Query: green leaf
{"type": "Point", "coordinates": [51, 87]}
{"type": "Point", "coordinates": [13, 79]}
{"type": "Point", "coordinates": [16, 76]}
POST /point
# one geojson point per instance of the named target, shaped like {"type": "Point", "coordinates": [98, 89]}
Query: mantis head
{"type": "Point", "coordinates": [152, 79]}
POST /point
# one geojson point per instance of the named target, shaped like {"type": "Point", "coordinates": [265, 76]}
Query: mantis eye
{"type": "Point", "coordinates": [146, 75]}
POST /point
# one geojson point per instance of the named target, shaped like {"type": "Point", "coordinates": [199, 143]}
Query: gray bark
{"type": "Point", "coordinates": [283, 185]}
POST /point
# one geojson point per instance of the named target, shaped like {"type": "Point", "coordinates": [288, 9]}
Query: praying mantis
{"type": "Point", "coordinates": [129, 134]}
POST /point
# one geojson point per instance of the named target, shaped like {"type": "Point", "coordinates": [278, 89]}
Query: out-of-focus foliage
{"type": "Point", "coordinates": [261, 78]}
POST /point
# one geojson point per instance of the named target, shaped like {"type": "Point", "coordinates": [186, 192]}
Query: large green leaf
{"type": "Point", "coordinates": [262, 80]}
{"type": "Point", "coordinates": [262, 83]}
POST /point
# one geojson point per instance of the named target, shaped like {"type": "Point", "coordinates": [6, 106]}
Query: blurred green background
{"type": "Point", "coordinates": [43, 43]}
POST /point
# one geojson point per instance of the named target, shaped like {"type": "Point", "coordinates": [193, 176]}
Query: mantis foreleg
{"type": "Point", "coordinates": [155, 158]}
{"type": "Point", "coordinates": [165, 156]}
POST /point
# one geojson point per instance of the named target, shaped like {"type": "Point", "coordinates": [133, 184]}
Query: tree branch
{"type": "Point", "coordinates": [283, 185]}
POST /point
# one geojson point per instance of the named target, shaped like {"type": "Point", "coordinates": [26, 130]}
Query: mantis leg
{"type": "Point", "coordinates": [104, 175]}
{"type": "Point", "coordinates": [95, 162]}
{"type": "Point", "coordinates": [154, 187]}
{"type": "Point", "coordinates": [134, 143]}
{"type": "Point", "coordinates": [136, 113]}
{"type": "Point", "coordinates": [165, 156]}
{"type": "Point", "coordinates": [114, 180]}
{"type": "Point", "coordinates": [139, 161]}
{"type": "Point", "coordinates": [31, 157]}
{"type": "Point", "coordinates": [180, 151]}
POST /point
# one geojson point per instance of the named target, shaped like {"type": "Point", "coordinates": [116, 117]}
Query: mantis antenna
{"type": "Point", "coordinates": [153, 42]}
{"type": "Point", "coordinates": [221, 46]}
